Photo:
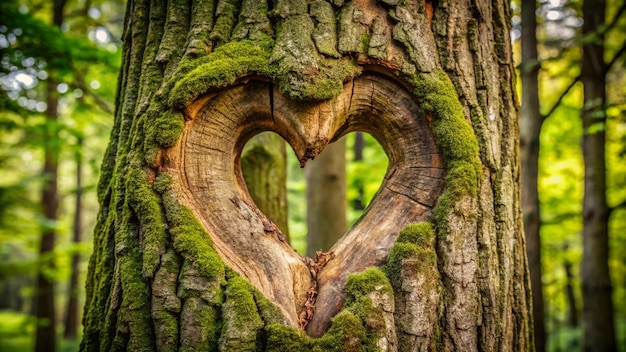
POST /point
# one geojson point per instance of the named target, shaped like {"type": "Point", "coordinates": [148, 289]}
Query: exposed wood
{"type": "Point", "coordinates": [208, 156]}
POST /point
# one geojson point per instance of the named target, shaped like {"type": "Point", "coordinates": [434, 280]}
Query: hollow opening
{"type": "Point", "coordinates": [323, 200]}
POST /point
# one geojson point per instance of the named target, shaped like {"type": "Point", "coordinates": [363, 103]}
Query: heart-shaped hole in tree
{"type": "Point", "coordinates": [207, 177]}
{"type": "Point", "coordinates": [313, 207]}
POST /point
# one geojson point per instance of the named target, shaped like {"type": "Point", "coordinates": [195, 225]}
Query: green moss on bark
{"type": "Point", "coordinates": [190, 238]}
{"type": "Point", "coordinates": [358, 327]}
{"type": "Point", "coordinates": [403, 251]}
{"type": "Point", "coordinates": [226, 13]}
{"type": "Point", "coordinates": [242, 322]}
{"type": "Point", "coordinates": [220, 69]}
{"type": "Point", "coordinates": [370, 280]}
{"type": "Point", "coordinates": [147, 207]}
{"type": "Point", "coordinates": [302, 75]}
{"type": "Point", "coordinates": [454, 137]}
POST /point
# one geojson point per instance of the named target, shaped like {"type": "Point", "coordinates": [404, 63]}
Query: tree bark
{"type": "Point", "coordinates": [71, 314]}
{"type": "Point", "coordinates": [183, 258]}
{"type": "Point", "coordinates": [326, 198]}
{"type": "Point", "coordinates": [530, 131]}
{"type": "Point", "coordinates": [45, 336]}
{"type": "Point", "coordinates": [598, 321]}
{"type": "Point", "coordinates": [359, 146]}
{"type": "Point", "coordinates": [572, 307]}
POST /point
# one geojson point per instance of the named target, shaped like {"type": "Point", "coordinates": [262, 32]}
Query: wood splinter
{"type": "Point", "coordinates": [321, 258]}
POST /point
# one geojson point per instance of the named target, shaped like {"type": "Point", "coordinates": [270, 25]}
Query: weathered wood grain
{"type": "Point", "coordinates": [209, 181]}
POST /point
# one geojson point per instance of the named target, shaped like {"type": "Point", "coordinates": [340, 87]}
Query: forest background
{"type": "Point", "coordinates": [58, 74]}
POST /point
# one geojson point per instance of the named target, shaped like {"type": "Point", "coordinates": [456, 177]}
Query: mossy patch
{"type": "Point", "coordinates": [420, 234]}
{"type": "Point", "coordinates": [146, 204]}
{"type": "Point", "coordinates": [415, 241]}
{"type": "Point", "coordinates": [242, 322]}
{"type": "Point", "coordinates": [357, 327]}
{"type": "Point", "coordinates": [220, 69]}
{"type": "Point", "coordinates": [308, 77]}
{"type": "Point", "coordinates": [346, 334]}
{"type": "Point", "coordinates": [454, 137]}
{"type": "Point", "coordinates": [370, 280]}
{"type": "Point", "coordinates": [190, 238]}
{"type": "Point", "coordinates": [168, 127]}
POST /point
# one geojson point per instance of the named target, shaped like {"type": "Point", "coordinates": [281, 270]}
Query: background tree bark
{"type": "Point", "coordinates": [326, 198]}
{"type": "Point", "coordinates": [71, 313]}
{"type": "Point", "coordinates": [530, 131]}
{"type": "Point", "coordinates": [183, 259]}
{"type": "Point", "coordinates": [45, 339]}
{"type": "Point", "coordinates": [598, 321]}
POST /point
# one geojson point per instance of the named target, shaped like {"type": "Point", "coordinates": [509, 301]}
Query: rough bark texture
{"type": "Point", "coordinates": [326, 198]}
{"type": "Point", "coordinates": [598, 321]}
{"type": "Point", "coordinates": [530, 130]}
{"type": "Point", "coordinates": [183, 258]}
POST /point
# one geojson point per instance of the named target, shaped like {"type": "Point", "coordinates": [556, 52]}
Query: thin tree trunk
{"type": "Point", "coordinates": [326, 198]}
{"type": "Point", "coordinates": [71, 315]}
{"type": "Point", "coordinates": [530, 130]}
{"type": "Point", "coordinates": [45, 312]}
{"type": "Point", "coordinates": [264, 167]}
{"type": "Point", "coordinates": [572, 307]}
{"type": "Point", "coordinates": [598, 320]}
{"type": "Point", "coordinates": [359, 145]}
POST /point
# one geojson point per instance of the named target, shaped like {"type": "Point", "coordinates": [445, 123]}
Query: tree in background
{"type": "Point", "coordinates": [326, 198]}
{"type": "Point", "coordinates": [598, 321]}
{"type": "Point", "coordinates": [561, 163]}
{"type": "Point", "coordinates": [264, 168]}
{"type": "Point", "coordinates": [530, 131]}
{"type": "Point", "coordinates": [44, 288]}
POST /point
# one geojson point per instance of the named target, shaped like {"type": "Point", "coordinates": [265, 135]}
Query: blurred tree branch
{"type": "Point", "coordinates": [617, 55]}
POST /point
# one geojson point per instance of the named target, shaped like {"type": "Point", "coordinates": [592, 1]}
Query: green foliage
{"type": "Point", "coordinates": [16, 333]}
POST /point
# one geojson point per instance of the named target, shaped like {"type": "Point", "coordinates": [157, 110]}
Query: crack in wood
{"type": "Point", "coordinates": [321, 258]}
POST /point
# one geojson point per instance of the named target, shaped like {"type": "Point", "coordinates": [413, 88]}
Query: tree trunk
{"type": "Point", "coordinates": [71, 314]}
{"type": "Point", "coordinates": [598, 321]}
{"type": "Point", "coordinates": [572, 307]}
{"type": "Point", "coordinates": [359, 145]}
{"type": "Point", "coordinates": [45, 338]}
{"type": "Point", "coordinates": [326, 198]}
{"type": "Point", "coordinates": [530, 131]}
{"type": "Point", "coordinates": [183, 258]}
{"type": "Point", "coordinates": [264, 168]}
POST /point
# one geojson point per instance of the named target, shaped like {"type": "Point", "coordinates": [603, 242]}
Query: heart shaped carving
{"type": "Point", "coordinates": [208, 179]}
